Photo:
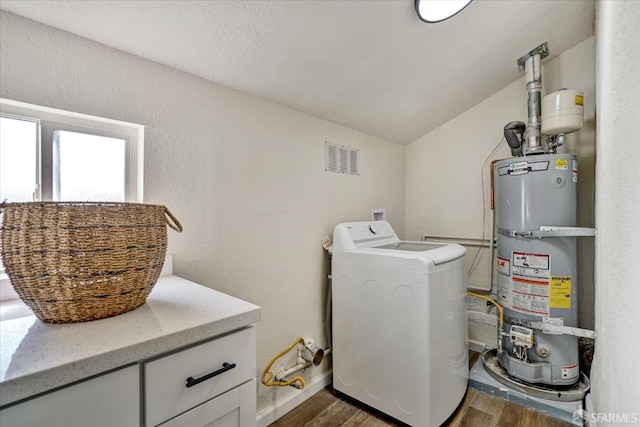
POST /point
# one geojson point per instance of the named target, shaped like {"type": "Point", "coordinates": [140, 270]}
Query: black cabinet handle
{"type": "Point", "coordinates": [225, 367]}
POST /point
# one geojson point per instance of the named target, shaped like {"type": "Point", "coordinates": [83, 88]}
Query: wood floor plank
{"type": "Point", "coordinates": [373, 414]}
{"type": "Point", "coordinates": [488, 403]}
{"type": "Point", "coordinates": [529, 418]}
{"type": "Point", "coordinates": [473, 356]}
{"type": "Point", "coordinates": [333, 416]}
{"type": "Point", "coordinates": [511, 415]}
{"type": "Point", "coordinates": [474, 417]}
{"type": "Point", "coordinates": [454, 421]}
{"type": "Point", "coordinates": [306, 410]}
{"type": "Point", "coordinates": [364, 419]}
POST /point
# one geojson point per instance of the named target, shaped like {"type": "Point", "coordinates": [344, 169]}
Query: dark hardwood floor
{"type": "Point", "coordinates": [330, 409]}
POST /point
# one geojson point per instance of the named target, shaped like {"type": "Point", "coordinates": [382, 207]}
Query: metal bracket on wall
{"type": "Point", "coordinates": [550, 231]}
{"type": "Point", "coordinates": [542, 50]}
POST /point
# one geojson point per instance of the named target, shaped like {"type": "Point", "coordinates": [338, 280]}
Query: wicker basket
{"type": "Point", "coordinates": [80, 261]}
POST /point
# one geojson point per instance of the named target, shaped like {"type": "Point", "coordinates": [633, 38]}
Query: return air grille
{"type": "Point", "coordinates": [340, 159]}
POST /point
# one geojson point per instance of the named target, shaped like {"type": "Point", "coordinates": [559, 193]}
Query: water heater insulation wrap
{"type": "Point", "coordinates": [537, 278]}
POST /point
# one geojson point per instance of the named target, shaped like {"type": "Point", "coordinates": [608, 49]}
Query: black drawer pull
{"type": "Point", "coordinates": [225, 367]}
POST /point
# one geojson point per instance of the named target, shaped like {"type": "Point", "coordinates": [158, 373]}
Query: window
{"type": "Point", "coordinates": [18, 159]}
{"type": "Point", "coordinates": [48, 154]}
{"type": "Point", "coordinates": [55, 155]}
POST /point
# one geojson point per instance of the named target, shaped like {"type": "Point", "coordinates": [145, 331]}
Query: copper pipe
{"type": "Point", "coordinates": [492, 169]}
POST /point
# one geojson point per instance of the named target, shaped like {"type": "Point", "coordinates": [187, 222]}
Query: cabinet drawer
{"type": "Point", "coordinates": [109, 400]}
{"type": "Point", "coordinates": [166, 391]}
{"type": "Point", "coordinates": [235, 408]}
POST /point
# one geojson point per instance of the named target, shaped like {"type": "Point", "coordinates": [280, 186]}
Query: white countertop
{"type": "Point", "coordinates": [36, 357]}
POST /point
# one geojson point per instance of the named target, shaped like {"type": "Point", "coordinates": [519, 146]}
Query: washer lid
{"type": "Point", "coordinates": [438, 252]}
{"type": "Point", "coordinates": [411, 246]}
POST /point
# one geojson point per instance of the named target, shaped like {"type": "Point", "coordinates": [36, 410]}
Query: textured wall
{"type": "Point", "coordinates": [615, 371]}
{"type": "Point", "coordinates": [244, 176]}
{"type": "Point", "coordinates": [444, 180]}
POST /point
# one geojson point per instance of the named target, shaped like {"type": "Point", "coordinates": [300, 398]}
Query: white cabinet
{"type": "Point", "coordinates": [184, 380]}
{"type": "Point", "coordinates": [235, 408]}
{"type": "Point", "coordinates": [210, 384]}
{"type": "Point", "coordinates": [132, 370]}
{"type": "Point", "coordinates": [108, 400]}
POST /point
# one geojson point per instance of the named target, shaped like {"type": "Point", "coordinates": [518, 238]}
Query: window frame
{"type": "Point", "coordinates": [50, 119]}
{"type": "Point", "coordinates": [47, 182]}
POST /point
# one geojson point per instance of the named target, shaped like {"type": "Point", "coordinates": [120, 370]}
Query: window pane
{"type": "Point", "coordinates": [18, 161]}
{"type": "Point", "coordinates": [88, 167]}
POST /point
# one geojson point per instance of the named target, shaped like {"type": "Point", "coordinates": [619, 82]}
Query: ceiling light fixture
{"type": "Point", "coordinates": [439, 10]}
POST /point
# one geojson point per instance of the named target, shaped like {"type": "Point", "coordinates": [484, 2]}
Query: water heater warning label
{"type": "Point", "coordinates": [503, 266]}
{"type": "Point", "coordinates": [529, 285]}
{"type": "Point", "coordinates": [531, 261]}
{"type": "Point", "coordinates": [571, 371]}
{"type": "Point", "coordinates": [562, 164]}
{"type": "Point", "coordinates": [560, 289]}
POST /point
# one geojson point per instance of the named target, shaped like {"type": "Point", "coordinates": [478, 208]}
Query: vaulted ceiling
{"type": "Point", "coordinates": [370, 65]}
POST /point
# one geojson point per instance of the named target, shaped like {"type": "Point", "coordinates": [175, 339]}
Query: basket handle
{"type": "Point", "coordinates": [172, 221]}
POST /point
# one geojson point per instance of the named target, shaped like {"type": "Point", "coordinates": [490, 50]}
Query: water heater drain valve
{"type": "Point", "coordinates": [521, 336]}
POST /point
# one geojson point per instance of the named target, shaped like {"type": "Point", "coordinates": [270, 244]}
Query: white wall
{"type": "Point", "coordinates": [615, 371]}
{"type": "Point", "coordinates": [444, 173]}
{"type": "Point", "coordinates": [244, 176]}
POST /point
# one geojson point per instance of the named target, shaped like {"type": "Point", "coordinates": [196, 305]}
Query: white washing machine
{"type": "Point", "coordinates": [399, 323]}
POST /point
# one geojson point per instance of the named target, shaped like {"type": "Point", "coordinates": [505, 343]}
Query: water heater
{"type": "Point", "coordinates": [537, 277]}
{"type": "Point", "coordinates": [536, 218]}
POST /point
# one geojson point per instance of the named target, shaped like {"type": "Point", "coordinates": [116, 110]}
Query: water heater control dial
{"type": "Point", "coordinates": [522, 336]}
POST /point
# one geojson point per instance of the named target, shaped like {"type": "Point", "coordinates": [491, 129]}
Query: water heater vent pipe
{"type": "Point", "coordinates": [533, 72]}
{"type": "Point", "coordinates": [534, 89]}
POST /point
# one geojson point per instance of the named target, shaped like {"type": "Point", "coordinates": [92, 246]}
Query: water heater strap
{"type": "Point", "coordinates": [566, 330]}
{"type": "Point", "coordinates": [549, 231]}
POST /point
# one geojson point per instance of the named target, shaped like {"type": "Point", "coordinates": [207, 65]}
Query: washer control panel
{"type": "Point", "coordinates": [352, 235]}
{"type": "Point", "coordinates": [372, 229]}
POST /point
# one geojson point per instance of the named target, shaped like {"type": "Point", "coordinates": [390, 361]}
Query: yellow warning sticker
{"type": "Point", "coordinates": [560, 292]}
{"type": "Point", "coordinates": [579, 100]}
{"type": "Point", "coordinates": [562, 164]}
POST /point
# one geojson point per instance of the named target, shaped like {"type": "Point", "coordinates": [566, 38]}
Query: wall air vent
{"type": "Point", "coordinates": [340, 159]}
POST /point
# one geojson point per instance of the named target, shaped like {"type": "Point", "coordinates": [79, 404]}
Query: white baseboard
{"type": "Point", "coordinates": [477, 346]}
{"type": "Point", "coordinates": [270, 414]}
